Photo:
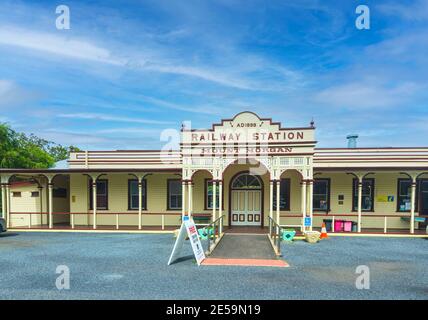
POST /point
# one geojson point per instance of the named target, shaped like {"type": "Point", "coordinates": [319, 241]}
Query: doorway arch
{"type": "Point", "coordinates": [246, 194]}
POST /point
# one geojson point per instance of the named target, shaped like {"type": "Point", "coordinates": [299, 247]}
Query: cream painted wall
{"type": "Point", "coordinates": [26, 203]}
{"type": "Point", "coordinates": [118, 201]}
{"type": "Point", "coordinates": [77, 200]}
{"type": "Point", "coordinates": [385, 185]}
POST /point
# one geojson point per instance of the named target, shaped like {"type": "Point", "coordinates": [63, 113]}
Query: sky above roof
{"type": "Point", "coordinates": [128, 70]}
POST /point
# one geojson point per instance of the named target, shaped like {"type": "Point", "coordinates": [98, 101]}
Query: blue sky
{"type": "Point", "coordinates": [127, 70]}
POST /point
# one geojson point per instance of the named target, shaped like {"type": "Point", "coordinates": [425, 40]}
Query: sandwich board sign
{"type": "Point", "coordinates": [188, 228]}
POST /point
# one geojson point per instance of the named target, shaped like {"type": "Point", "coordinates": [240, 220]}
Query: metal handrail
{"type": "Point", "coordinates": [275, 234]}
{"type": "Point", "coordinates": [217, 226]}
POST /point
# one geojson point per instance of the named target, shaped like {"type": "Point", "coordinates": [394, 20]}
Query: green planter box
{"type": "Point", "coordinates": [288, 235]}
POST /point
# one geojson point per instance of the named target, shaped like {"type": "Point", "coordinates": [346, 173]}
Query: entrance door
{"type": "Point", "coordinates": [246, 201]}
{"type": "Point", "coordinates": [246, 208]}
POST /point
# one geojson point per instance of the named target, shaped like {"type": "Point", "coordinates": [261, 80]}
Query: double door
{"type": "Point", "coordinates": [246, 208]}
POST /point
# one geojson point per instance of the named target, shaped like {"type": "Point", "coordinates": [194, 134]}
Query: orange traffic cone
{"type": "Point", "coordinates": [324, 234]}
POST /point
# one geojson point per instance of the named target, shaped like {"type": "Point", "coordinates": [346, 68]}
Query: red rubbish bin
{"type": "Point", "coordinates": [347, 226]}
{"type": "Point", "coordinates": [338, 225]}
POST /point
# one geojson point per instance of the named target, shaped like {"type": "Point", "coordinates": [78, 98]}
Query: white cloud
{"type": "Point", "coordinates": [104, 117]}
{"type": "Point", "coordinates": [366, 95]}
{"type": "Point", "coordinates": [54, 44]}
{"type": "Point", "coordinates": [5, 87]}
{"type": "Point", "coordinates": [205, 109]}
{"type": "Point", "coordinates": [241, 71]}
{"type": "Point", "coordinates": [12, 95]}
{"type": "Point", "coordinates": [417, 11]}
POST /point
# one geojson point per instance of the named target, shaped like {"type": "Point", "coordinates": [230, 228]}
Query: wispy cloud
{"type": "Point", "coordinates": [366, 95]}
{"type": "Point", "coordinates": [58, 45]}
{"type": "Point", "coordinates": [204, 109]}
{"type": "Point", "coordinates": [131, 69]}
{"type": "Point", "coordinates": [105, 117]}
{"type": "Point", "coordinates": [241, 75]}
{"type": "Point", "coordinates": [13, 95]}
{"type": "Point", "coordinates": [414, 11]}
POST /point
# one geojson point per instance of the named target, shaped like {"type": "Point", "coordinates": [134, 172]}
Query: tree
{"type": "Point", "coordinates": [17, 150]}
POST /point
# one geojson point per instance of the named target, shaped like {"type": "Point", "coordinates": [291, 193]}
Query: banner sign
{"type": "Point", "coordinates": [192, 232]}
{"type": "Point", "coordinates": [188, 228]}
{"type": "Point", "coordinates": [385, 198]}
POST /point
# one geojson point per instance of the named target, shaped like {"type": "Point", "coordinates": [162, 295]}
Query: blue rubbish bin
{"type": "Point", "coordinates": [328, 223]}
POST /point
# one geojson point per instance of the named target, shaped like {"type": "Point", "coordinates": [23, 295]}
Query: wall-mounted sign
{"type": "Point", "coordinates": [385, 198]}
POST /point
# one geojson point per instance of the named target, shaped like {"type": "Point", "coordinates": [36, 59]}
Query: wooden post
{"type": "Point", "coordinates": [271, 199]}
{"type": "Point", "coordinates": [278, 204]}
{"type": "Point", "coordinates": [412, 207]}
{"type": "Point", "coordinates": [303, 204]}
{"type": "Point", "coordinates": [214, 199]}
{"type": "Point", "coordinates": [189, 198]}
{"type": "Point", "coordinates": [360, 199]}
{"type": "Point", "coordinates": [385, 224]}
{"type": "Point", "coordinates": [94, 203]}
{"type": "Point", "coordinates": [8, 222]}
{"type": "Point", "coordinates": [50, 197]}
{"type": "Point", "coordinates": [220, 204]}
{"type": "Point", "coordinates": [183, 200]}
{"type": "Point", "coordinates": [140, 202]}
{"type": "Point", "coordinates": [3, 201]}
{"type": "Point", "coordinates": [311, 192]}
{"type": "Point", "coordinates": [40, 188]}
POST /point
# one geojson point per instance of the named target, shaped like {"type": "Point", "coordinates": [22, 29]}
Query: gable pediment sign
{"type": "Point", "coordinates": [247, 127]}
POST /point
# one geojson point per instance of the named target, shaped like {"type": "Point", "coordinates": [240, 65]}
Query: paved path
{"type": "Point", "coordinates": [248, 246]}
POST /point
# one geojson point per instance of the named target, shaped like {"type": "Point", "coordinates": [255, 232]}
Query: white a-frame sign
{"type": "Point", "coordinates": [188, 227]}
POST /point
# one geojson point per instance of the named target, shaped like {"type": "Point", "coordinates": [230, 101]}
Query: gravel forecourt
{"type": "Point", "coordinates": [134, 266]}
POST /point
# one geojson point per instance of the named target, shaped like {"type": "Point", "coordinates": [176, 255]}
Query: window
{"type": "Point", "coordinates": [246, 181]}
{"type": "Point", "coordinates": [102, 194]}
{"type": "Point", "coordinates": [321, 196]}
{"type": "Point", "coordinates": [174, 194]}
{"type": "Point", "coordinates": [209, 195]}
{"type": "Point", "coordinates": [59, 193]}
{"type": "Point", "coordinates": [16, 194]}
{"type": "Point", "coordinates": [404, 195]}
{"type": "Point", "coordinates": [133, 196]}
{"type": "Point", "coordinates": [284, 196]}
{"type": "Point", "coordinates": [367, 203]}
{"type": "Point", "coordinates": [34, 194]}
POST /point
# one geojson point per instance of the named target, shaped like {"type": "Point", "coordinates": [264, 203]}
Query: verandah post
{"type": "Point", "coordinates": [189, 198]}
{"type": "Point", "coordinates": [360, 195]}
{"type": "Point", "coordinates": [303, 204]}
{"type": "Point", "coordinates": [412, 207]}
{"type": "Point", "coordinates": [271, 199]}
{"type": "Point", "coordinates": [214, 199]}
{"type": "Point", "coordinates": [94, 203]}
{"type": "Point", "coordinates": [50, 189]}
{"type": "Point", "coordinates": [140, 201]}
{"type": "Point", "coordinates": [220, 204]}
{"type": "Point", "coordinates": [278, 204]}
{"type": "Point", "coordinates": [8, 205]}
{"type": "Point", "coordinates": [311, 192]}
{"type": "Point", "coordinates": [3, 201]}
{"type": "Point", "coordinates": [183, 199]}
